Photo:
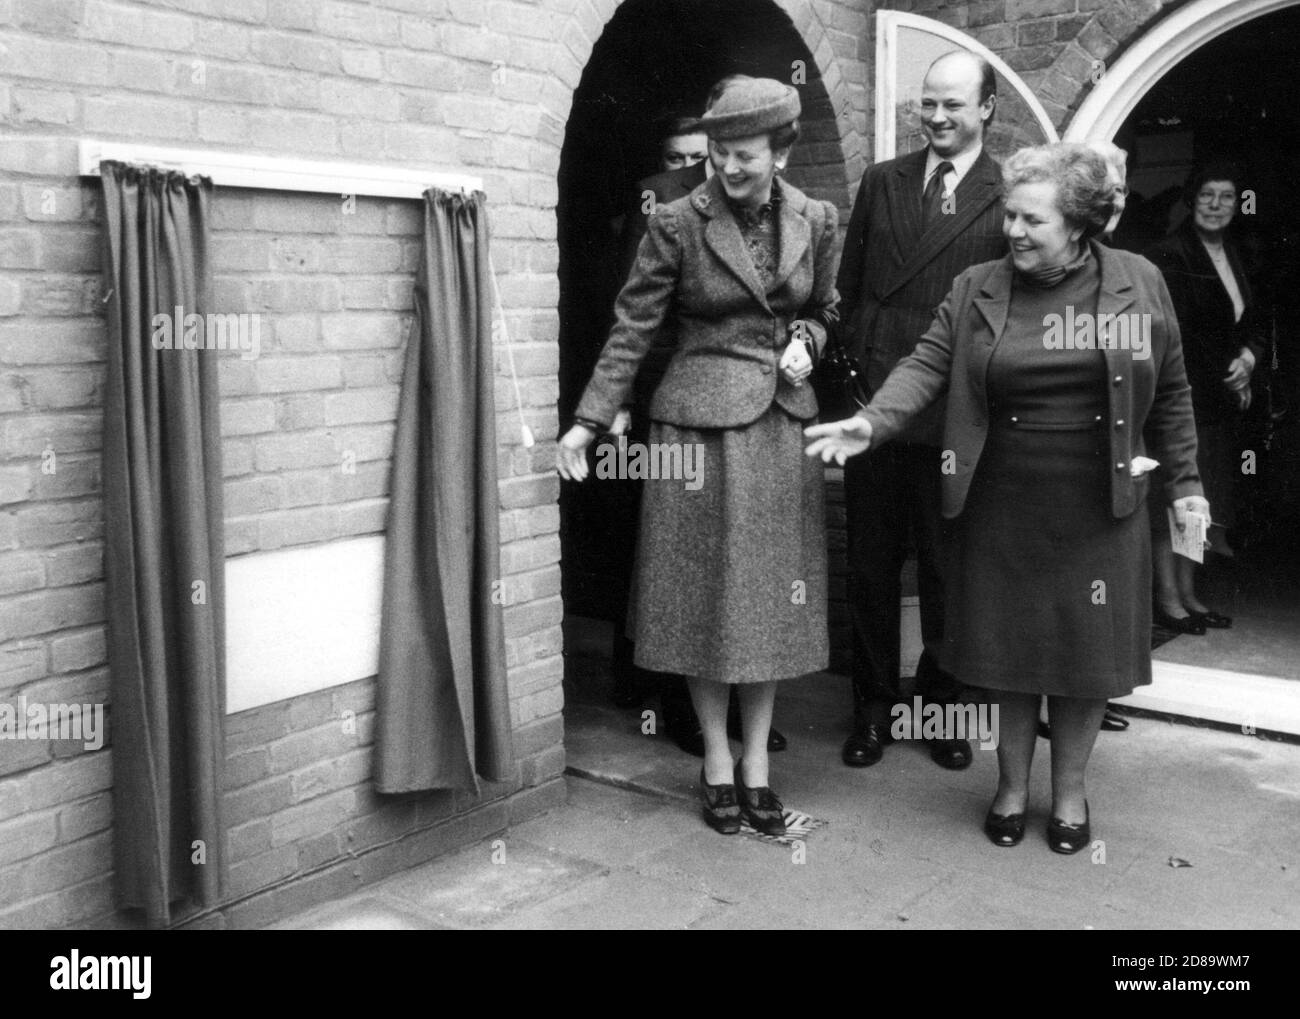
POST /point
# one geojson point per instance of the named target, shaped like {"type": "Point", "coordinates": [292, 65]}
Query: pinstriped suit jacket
{"type": "Point", "coordinates": [893, 276]}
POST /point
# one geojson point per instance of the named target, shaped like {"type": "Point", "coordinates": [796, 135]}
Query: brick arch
{"type": "Point", "coordinates": [579, 30]}
{"type": "Point", "coordinates": [1105, 37]}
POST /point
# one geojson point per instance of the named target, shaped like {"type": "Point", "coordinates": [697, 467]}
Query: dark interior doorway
{"type": "Point", "coordinates": [1237, 97]}
{"type": "Point", "coordinates": [654, 57]}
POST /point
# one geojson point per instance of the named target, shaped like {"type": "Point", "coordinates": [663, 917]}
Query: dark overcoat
{"type": "Point", "coordinates": [1150, 401]}
{"type": "Point", "coordinates": [1212, 335]}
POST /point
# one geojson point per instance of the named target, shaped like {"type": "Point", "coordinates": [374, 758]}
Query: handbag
{"type": "Point", "coordinates": [837, 381]}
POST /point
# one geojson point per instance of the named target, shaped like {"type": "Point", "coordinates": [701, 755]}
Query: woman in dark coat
{"type": "Point", "coordinates": [1056, 360]}
{"type": "Point", "coordinates": [1202, 267]}
{"type": "Point", "coordinates": [730, 579]}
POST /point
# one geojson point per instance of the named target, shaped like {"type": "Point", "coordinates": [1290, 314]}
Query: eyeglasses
{"type": "Point", "coordinates": [1209, 197]}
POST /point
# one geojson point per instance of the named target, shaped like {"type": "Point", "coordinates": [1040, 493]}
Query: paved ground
{"type": "Point", "coordinates": [902, 847]}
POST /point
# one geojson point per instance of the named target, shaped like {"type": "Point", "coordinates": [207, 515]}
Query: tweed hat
{"type": "Point", "coordinates": [749, 107]}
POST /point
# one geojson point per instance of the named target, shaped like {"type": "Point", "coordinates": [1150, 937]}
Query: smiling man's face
{"type": "Point", "coordinates": [952, 115]}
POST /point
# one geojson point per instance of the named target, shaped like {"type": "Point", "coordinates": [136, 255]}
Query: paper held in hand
{"type": "Point", "coordinates": [1191, 541]}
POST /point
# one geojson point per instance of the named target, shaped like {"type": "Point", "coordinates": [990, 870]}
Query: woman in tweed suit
{"type": "Point", "coordinates": [730, 584]}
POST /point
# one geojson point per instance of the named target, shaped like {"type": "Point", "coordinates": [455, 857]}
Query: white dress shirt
{"type": "Point", "coordinates": [961, 164]}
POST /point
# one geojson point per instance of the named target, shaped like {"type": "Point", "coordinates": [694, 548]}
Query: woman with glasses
{"type": "Point", "coordinates": [1212, 296]}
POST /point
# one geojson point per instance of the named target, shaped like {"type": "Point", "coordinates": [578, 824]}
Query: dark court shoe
{"type": "Point", "coordinates": [866, 745]}
{"type": "Point", "coordinates": [1187, 624]}
{"type": "Point", "coordinates": [721, 811]}
{"type": "Point", "coordinates": [1004, 829]}
{"type": "Point", "coordinates": [1211, 619]}
{"type": "Point", "coordinates": [1069, 838]}
{"type": "Point", "coordinates": [1113, 721]}
{"type": "Point", "coordinates": [760, 807]}
{"type": "Point", "coordinates": [953, 754]}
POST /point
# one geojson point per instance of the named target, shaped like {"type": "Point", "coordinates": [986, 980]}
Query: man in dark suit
{"type": "Point", "coordinates": [684, 166]}
{"type": "Point", "coordinates": [917, 222]}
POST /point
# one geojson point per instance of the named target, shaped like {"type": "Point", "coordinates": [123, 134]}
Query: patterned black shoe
{"type": "Point", "coordinates": [760, 807]}
{"type": "Point", "coordinates": [1069, 838]}
{"type": "Point", "coordinates": [721, 812]}
{"type": "Point", "coordinates": [1004, 829]}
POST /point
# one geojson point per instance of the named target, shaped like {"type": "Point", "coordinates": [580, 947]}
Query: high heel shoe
{"type": "Point", "coordinates": [1069, 838]}
{"type": "Point", "coordinates": [1187, 624]}
{"type": "Point", "coordinates": [1113, 721]}
{"type": "Point", "coordinates": [1214, 620]}
{"type": "Point", "coordinates": [760, 807]}
{"type": "Point", "coordinates": [721, 811]}
{"type": "Point", "coordinates": [1004, 829]}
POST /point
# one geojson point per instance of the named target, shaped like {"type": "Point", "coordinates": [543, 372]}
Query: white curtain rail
{"type": "Point", "coordinates": [245, 170]}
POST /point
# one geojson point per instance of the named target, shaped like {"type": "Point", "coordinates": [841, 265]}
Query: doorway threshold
{"type": "Point", "coordinates": [1254, 703]}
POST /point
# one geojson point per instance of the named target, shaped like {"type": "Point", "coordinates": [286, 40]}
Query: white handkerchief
{"type": "Point", "coordinates": [1142, 465]}
{"type": "Point", "coordinates": [1191, 541]}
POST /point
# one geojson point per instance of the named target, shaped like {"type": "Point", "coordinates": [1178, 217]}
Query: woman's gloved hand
{"type": "Point", "coordinates": [795, 364]}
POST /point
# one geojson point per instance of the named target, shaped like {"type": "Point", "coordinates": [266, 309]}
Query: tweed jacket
{"type": "Point", "coordinates": [893, 274]}
{"type": "Point", "coordinates": [693, 274]}
{"type": "Point", "coordinates": [1212, 336]}
{"type": "Point", "coordinates": [1149, 398]}
{"type": "Point", "coordinates": [665, 187]}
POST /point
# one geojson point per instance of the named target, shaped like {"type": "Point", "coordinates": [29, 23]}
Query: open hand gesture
{"type": "Point", "coordinates": [839, 440]}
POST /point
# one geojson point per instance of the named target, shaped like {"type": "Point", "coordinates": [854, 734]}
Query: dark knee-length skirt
{"type": "Point", "coordinates": [730, 579]}
{"type": "Point", "coordinates": [1046, 591]}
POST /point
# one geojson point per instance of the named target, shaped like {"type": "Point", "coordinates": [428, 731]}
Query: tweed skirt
{"type": "Point", "coordinates": [1046, 592]}
{"type": "Point", "coordinates": [730, 577]}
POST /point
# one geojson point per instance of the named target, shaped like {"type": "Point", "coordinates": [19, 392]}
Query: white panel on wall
{"type": "Point", "coordinates": [302, 620]}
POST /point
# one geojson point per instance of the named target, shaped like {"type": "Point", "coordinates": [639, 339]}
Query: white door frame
{"type": "Point", "coordinates": [1153, 55]}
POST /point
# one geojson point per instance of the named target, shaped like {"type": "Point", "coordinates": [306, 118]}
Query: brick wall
{"type": "Point", "coordinates": [307, 425]}
{"type": "Point", "coordinates": [483, 87]}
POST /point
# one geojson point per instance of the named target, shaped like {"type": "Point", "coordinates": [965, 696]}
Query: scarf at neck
{"type": "Point", "coordinates": [1049, 275]}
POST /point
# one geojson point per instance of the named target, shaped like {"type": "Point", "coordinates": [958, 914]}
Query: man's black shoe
{"type": "Point", "coordinates": [866, 745]}
{"type": "Point", "coordinates": [953, 754]}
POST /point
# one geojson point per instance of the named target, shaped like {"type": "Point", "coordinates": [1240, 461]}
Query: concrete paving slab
{"type": "Point", "coordinates": [362, 913]}
{"type": "Point", "coordinates": [902, 849]}
{"type": "Point", "coordinates": [483, 884]}
{"type": "Point", "coordinates": [616, 900]}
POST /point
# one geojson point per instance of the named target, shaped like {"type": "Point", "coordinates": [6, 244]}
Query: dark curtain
{"type": "Point", "coordinates": [164, 556]}
{"type": "Point", "coordinates": [443, 710]}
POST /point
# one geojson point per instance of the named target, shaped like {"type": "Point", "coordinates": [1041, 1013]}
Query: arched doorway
{"type": "Point", "coordinates": [653, 58]}
{"type": "Point", "coordinates": [1211, 81]}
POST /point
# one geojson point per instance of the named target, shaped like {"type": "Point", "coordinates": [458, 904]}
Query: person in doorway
{"type": "Point", "coordinates": [917, 222]}
{"type": "Point", "coordinates": [1202, 266]}
{"type": "Point", "coordinates": [730, 583]}
{"type": "Point", "coordinates": [683, 167]}
{"type": "Point", "coordinates": [1050, 564]}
